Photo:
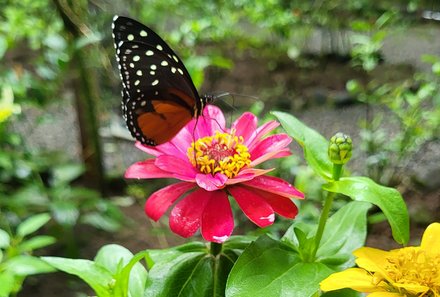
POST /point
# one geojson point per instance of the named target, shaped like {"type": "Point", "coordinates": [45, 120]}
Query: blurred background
{"type": "Point", "coordinates": [370, 69]}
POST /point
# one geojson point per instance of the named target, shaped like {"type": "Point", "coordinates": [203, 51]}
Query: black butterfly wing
{"type": "Point", "coordinates": [159, 97]}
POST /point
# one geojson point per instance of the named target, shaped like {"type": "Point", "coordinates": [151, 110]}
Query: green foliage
{"type": "Point", "coordinates": [16, 261]}
{"type": "Point", "coordinates": [270, 268]}
{"type": "Point", "coordinates": [191, 269]}
{"type": "Point", "coordinates": [38, 182]}
{"type": "Point", "coordinates": [387, 199]}
{"type": "Point", "coordinates": [357, 188]}
{"type": "Point", "coordinates": [414, 111]}
{"type": "Point", "coordinates": [115, 271]}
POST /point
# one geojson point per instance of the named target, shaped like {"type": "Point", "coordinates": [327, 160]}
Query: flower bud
{"type": "Point", "coordinates": [339, 149]}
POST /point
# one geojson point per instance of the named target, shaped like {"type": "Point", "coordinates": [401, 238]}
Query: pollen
{"type": "Point", "coordinates": [412, 266]}
{"type": "Point", "coordinates": [224, 153]}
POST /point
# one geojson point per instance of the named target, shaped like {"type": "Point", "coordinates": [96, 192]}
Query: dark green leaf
{"type": "Point", "coordinates": [96, 276]}
{"type": "Point", "coordinates": [387, 199]}
{"type": "Point", "coordinates": [188, 274]}
{"type": "Point", "coordinates": [32, 224]}
{"type": "Point", "coordinates": [190, 270]}
{"type": "Point", "coordinates": [268, 268]}
{"type": "Point", "coordinates": [315, 146]}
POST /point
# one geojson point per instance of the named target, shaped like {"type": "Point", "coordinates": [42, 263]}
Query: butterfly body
{"type": "Point", "coordinates": [158, 96]}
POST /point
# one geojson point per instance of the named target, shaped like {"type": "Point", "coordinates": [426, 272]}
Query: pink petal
{"type": "Point", "coordinates": [146, 169]}
{"type": "Point", "coordinates": [262, 131]}
{"type": "Point", "coordinates": [217, 219]}
{"type": "Point", "coordinates": [247, 174]}
{"type": "Point", "coordinates": [186, 215]}
{"type": "Point", "coordinates": [215, 117]}
{"type": "Point", "coordinates": [274, 185]}
{"type": "Point", "coordinates": [151, 150]}
{"type": "Point", "coordinates": [158, 203]}
{"type": "Point", "coordinates": [180, 169]}
{"type": "Point", "coordinates": [211, 183]}
{"type": "Point", "coordinates": [271, 155]}
{"type": "Point", "coordinates": [281, 205]}
{"type": "Point", "coordinates": [254, 207]}
{"type": "Point", "coordinates": [273, 143]}
{"type": "Point", "coordinates": [246, 126]}
{"type": "Point", "coordinates": [210, 121]}
{"type": "Point", "coordinates": [176, 147]}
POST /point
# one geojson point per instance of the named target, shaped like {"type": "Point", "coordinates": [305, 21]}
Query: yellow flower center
{"type": "Point", "coordinates": [413, 266]}
{"type": "Point", "coordinates": [223, 152]}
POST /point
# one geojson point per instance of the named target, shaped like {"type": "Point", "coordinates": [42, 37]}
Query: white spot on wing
{"type": "Point", "coordinates": [155, 82]}
{"type": "Point", "coordinates": [164, 63]}
{"type": "Point", "coordinates": [153, 67]}
{"type": "Point", "coordinates": [143, 33]}
{"type": "Point", "coordinates": [130, 37]}
{"type": "Point", "coordinates": [149, 53]}
{"type": "Point", "coordinates": [136, 58]}
{"type": "Point", "coordinates": [139, 72]}
{"type": "Point", "coordinates": [159, 47]}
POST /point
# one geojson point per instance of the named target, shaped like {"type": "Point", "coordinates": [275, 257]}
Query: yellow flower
{"type": "Point", "coordinates": [405, 272]}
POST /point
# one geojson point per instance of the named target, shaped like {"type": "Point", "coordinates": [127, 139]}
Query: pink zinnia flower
{"type": "Point", "coordinates": [212, 161]}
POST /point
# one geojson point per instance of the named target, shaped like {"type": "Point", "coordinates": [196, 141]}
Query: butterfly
{"type": "Point", "coordinates": [158, 97]}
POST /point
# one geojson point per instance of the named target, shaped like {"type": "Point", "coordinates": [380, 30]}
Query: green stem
{"type": "Point", "coordinates": [337, 170]}
{"type": "Point", "coordinates": [216, 248]}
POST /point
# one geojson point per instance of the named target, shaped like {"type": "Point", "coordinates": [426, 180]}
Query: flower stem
{"type": "Point", "coordinates": [337, 170]}
{"type": "Point", "coordinates": [216, 248]}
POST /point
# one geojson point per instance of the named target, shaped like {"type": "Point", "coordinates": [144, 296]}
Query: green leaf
{"type": "Point", "coordinates": [269, 268]}
{"type": "Point", "coordinates": [66, 173]}
{"type": "Point", "coordinates": [101, 221]}
{"type": "Point", "coordinates": [166, 255]}
{"type": "Point", "coordinates": [342, 293]}
{"type": "Point", "coordinates": [96, 276]}
{"type": "Point", "coordinates": [6, 283]}
{"type": "Point", "coordinates": [65, 212]}
{"type": "Point", "coordinates": [35, 243]}
{"type": "Point", "coordinates": [387, 199]}
{"type": "Point", "coordinates": [190, 270]}
{"type": "Point", "coordinates": [315, 146]}
{"type": "Point", "coordinates": [344, 232]}
{"type": "Point", "coordinates": [24, 265]}
{"type": "Point", "coordinates": [132, 278]}
{"type": "Point", "coordinates": [186, 273]}
{"type": "Point", "coordinates": [130, 275]}
{"type": "Point", "coordinates": [32, 224]}
{"type": "Point", "coordinates": [5, 239]}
